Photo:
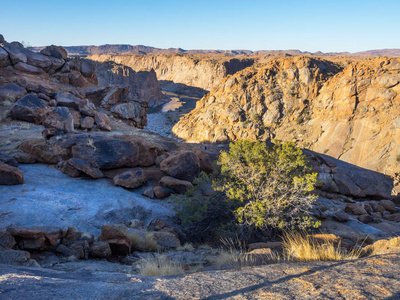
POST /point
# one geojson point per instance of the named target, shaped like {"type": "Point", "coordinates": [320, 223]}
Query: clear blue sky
{"type": "Point", "coordinates": [310, 25]}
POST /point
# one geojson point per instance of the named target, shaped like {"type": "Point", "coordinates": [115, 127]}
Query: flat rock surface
{"type": "Point", "coordinates": [374, 277]}
{"type": "Point", "coordinates": [51, 198]}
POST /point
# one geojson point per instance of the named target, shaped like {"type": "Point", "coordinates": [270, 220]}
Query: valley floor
{"type": "Point", "coordinates": [374, 277]}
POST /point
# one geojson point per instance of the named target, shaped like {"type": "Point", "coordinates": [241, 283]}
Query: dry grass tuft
{"type": "Point", "coordinates": [161, 266]}
{"type": "Point", "coordinates": [302, 247]}
{"type": "Point", "coordinates": [186, 247]}
{"type": "Point", "coordinates": [151, 244]}
{"type": "Point", "coordinates": [385, 246]}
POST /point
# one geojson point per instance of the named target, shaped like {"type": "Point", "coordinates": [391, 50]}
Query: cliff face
{"type": "Point", "coordinates": [346, 108]}
{"type": "Point", "coordinates": [141, 85]}
{"type": "Point", "coordinates": [200, 71]}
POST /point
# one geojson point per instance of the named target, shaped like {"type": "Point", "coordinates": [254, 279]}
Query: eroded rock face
{"type": "Point", "coordinates": [60, 118]}
{"type": "Point", "coordinates": [178, 186]}
{"type": "Point", "coordinates": [11, 92]}
{"type": "Point", "coordinates": [184, 166]}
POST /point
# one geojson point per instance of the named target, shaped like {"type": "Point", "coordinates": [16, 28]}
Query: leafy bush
{"type": "Point", "coordinates": [269, 186]}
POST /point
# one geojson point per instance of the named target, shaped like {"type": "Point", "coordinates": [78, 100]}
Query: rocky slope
{"type": "Point", "coordinates": [368, 278]}
{"type": "Point", "coordinates": [346, 108]}
{"type": "Point", "coordinates": [199, 71]}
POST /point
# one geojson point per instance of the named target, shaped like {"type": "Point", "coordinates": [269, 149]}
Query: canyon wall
{"type": "Point", "coordinates": [199, 71]}
{"type": "Point", "coordinates": [347, 108]}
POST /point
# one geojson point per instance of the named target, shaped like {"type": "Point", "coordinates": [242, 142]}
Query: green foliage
{"type": "Point", "coordinates": [192, 206]}
{"type": "Point", "coordinates": [269, 186]}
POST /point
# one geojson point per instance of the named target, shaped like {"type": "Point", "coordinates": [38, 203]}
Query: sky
{"type": "Point", "coordinates": [307, 25]}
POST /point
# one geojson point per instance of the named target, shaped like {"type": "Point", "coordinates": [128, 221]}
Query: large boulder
{"type": "Point", "coordinates": [166, 239]}
{"type": "Point", "coordinates": [38, 60]}
{"type": "Point", "coordinates": [10, 175]}
{"type": "Point", "coordinates": [61, 119]}
{"type": "Point", "coordinates": [9, 160]}
{"type": "Point", "coordinates": [119, 243]}
{"type": "Point", "coordinates": [100, 250]}
{"type": "Point", "coordinates": [36, 237]}
{"type": "Point", "coordinates": [7, 241]}
{"type": "Point", "coordinates": [17, 54]}
{"type": "Point", "coordinates": [4, 58]}
{"type": "Point", "coordinates": [69, 100]}
{"type": "Point", "coordinates": [107, 154]}
{"type": "Point", "coordinates": [340, 177]}
{"type": "Point", "coordinates": [184, 165]}
{"type": "Point", "coordinates": [178, 186]}
{"type": "Point", "coordinates": [55, 51]}
{"type": "Point", "coordinates": [131, 179]}
{"type": "Point", "coordinates": [23, 67]}
{"type": "Point", "coordinates": [43, 151]}
{"type": "Point", "coordinates": [30, 108]}
{"type": "Point", "coordinates": [85, 167]}
{"type": "Point", "coordinates": [11, 92]}
{"type": "Point", "coordinates": [131, 111]}
{"type": "Point", "coordinates": [15, 257]}
{"type": "Point", "coordinates": [102, 121]}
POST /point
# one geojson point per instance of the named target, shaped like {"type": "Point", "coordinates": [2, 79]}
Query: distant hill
{"type": "Point", "coordinates": [140, 49]}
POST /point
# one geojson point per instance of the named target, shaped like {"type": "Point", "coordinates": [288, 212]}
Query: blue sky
{"type": "Point", "coordinates": [307, 25]}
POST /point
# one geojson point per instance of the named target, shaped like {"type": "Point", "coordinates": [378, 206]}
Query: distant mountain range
{"type": "Point", "coordinates": [140, 49]}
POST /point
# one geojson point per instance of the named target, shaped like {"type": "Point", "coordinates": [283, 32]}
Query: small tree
{"type": "Point", "coordinates": [269, 185]}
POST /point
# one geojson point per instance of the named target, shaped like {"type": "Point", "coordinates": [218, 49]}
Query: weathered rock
{"type": "Point", "coordinates": [87, 67]}
{"type": "Point", "coordinates": [392, 217]}
{"type": "Point", "coordinates": [365, 218]}
{"type": "Point", "coordinates": [178, 186]}
{"type": "Point", "coordinates": [184, 165]}
{"type": "Point", "coordinates": [107, 154]}
{"type": "Point", "coordinates": [87, 123]}
{"type": "Point", "coordinates": [7, 241]}
{"type": "Point", "coordinates": [156, 225]}
{"type": "Point", "coordinates": [4, 58]}
{"type": "Point", "coordinates": [166, 239]}
{"type": "Point", "coordinates": [100, 250]}
{"type": "Point", "coordinates": [137, 237]}
{"type": "Point", "coordinates": [10, 175]}
{"type": "Point", "coordinates": [23, 67]}
{"type": "Point", "coordinates": [30, 108]}
{"type": "Point", "coordinates": [388, 205]}
{"type": "Point", "coordinates": [36, 237]}
{"type": "Point", "coordinates": [43, 151]}
{"type": "Point", "coordinates": [68, 100]}
{"type": "Point", "coordinates": [207, 159]}
{"type": "Point", "coordinates": [119, 243]}
{"type": "Point", "coordinates": [85, 167]}
{"type": "Point", "coordinates": [70, 171]}
{"type": "Point", "coordinates": [76, 79]}
{"type": "Point", "coordinates": [55, 51]}
{"type": "Point", "coordinates": [341, 216]}
{"type": "Point", "coordinates": [102, 121]}
{"type": "Point", "coordinates": [37, 60]}
{"type": "Point", "coordinates": [355, 209]}
{"type": "Point", "coordinates": [132, 111]}
{"type": "Point", "coordinates": [76, 250]}
{"type": "Point", "coordinates": [16, 54]}
{"type": "Point", "coordinates": [72, 235]}
{"type": "Point", "coordinates": [9, 160]}
{"type": "Point", "coordinates": [60, 118]}
{"type": "Point", "coordinates": [14, 257]}
{"type": "Point", "coordinates": [148, 192]}
{"type": "Point", "coordinates": [11, 92]}
{"type": "Point", "coordinates": [131, 179]}
{"type": "Point", "coordinates": [162, 192]}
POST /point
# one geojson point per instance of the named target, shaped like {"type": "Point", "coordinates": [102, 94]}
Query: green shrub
{"type": "Point", "coordinates": [269, 186]}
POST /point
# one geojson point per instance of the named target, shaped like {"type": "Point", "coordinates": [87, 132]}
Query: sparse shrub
{"type": "Point", "coordinates": [269, 186]}
{"type": "Point", "coordinates": [246, 123]}
{"type": "Point", "coordinates": [151, 244]}
{"type": "Point", "coordinates": [326, 151]}
{"type": "Point", "coordinates": [398, 158]}
{"type": "Point", "coordinates": [256, 117]}
{"type": "Point", "coordinates": [186, 247]}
